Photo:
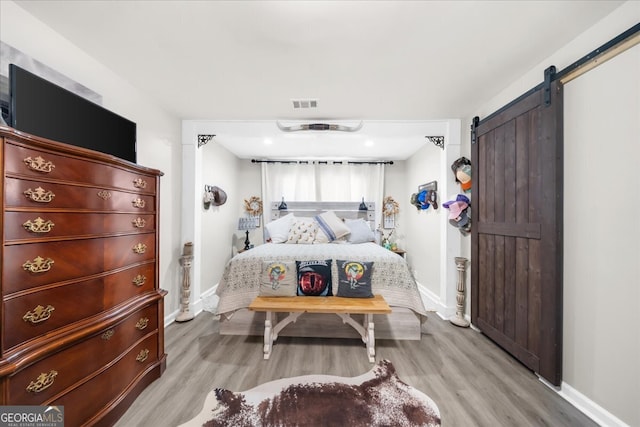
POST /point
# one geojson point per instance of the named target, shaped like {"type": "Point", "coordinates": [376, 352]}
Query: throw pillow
{"type": "Point", "coordinates": [314, 277]}
{"type": "Point", "coordinates": [332, 226]}
{"type": "Point", "coordinates": [278, 279]}
{"type": "Point", "coordinates": [279, 229]}
{"type": "Point", "coordinates": [360, 231]}
{"type": "Point", "coordinates": [303, 231]}
{"type": "Point", "coordinates": [354, 279]}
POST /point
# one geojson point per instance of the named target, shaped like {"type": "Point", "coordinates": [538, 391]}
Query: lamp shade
{"type": "Point", "coordinates": [247, 223]}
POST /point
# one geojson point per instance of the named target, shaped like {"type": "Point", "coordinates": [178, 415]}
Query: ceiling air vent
{"type": "Point", "coordinates": [304, 103]}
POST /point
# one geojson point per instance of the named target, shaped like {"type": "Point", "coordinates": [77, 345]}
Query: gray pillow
{"type": "Point", "coordinates": [360, 231]}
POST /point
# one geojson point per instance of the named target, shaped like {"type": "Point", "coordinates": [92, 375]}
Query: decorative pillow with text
{"type": "Point", "coordinates": [314, 278]}
{"type": "Point", "coordinates": [354, 279]}
{"type": "Point", "coordinates": [278, 279]}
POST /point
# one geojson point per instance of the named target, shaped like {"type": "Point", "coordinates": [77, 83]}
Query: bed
{"type": "Point", "coordinates": [390, 277]}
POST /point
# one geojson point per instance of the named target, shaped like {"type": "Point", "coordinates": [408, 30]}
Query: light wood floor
{"type": "Point", "coordinates": [473, 382]}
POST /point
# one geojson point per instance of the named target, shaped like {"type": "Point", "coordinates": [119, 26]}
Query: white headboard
{"type": "Point", "coordinates": [350, 210]}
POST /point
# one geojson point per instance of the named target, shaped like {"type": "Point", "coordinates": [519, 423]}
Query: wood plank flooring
{"type": "Point", "coordinates": [473, 382]}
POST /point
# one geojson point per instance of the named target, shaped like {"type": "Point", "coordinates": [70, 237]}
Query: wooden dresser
{"type": "Point", "coordinates": [82, 313]}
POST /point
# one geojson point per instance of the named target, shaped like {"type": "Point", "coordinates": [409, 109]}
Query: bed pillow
{"type": "Point", "coordinates": [332, 226]}
{"type": "Point", "coordinates": [302, 231]}
{"type": "Point", "coordinates": [354, 279]}
{"type": "Point", "coordinates": [314, 278]}
{"type": "Point", "coordinates": [279, 229]}
{"type": "Point", "coordinates": [360, 231]}
{"type": "Point", "coordinates": [278, 279]}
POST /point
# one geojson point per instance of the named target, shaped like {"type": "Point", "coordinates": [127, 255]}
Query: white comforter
{"type": "Point", "coordinates": [391, 276]}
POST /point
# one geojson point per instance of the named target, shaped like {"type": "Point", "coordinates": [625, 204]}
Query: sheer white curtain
{"type": "Point", "coordinates": [327, 182]}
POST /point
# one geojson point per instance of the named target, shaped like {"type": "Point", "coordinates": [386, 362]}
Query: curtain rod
{"type": "Point", "coordinates": [324, 162]}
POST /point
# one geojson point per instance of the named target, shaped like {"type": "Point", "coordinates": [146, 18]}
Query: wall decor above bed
{"type": "Point", "coordinates": [253, 206]}
{"type": "Point", "coordinates": [390, 208]}
{"type": "Point", "coordinates": [427, 196]}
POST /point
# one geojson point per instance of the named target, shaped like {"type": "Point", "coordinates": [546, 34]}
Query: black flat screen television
{"type": "Point", "coordinates": [42, 108]}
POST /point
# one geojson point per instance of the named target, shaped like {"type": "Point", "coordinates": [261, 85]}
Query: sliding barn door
{"type": "Point", "coordinates": [516, 282]}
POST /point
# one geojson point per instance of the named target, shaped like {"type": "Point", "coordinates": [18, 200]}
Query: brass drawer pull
{"type": "Point", "coordinates": [38, 265]}
{"type": "Point", "coordinates": [140, 248]}
{"type": "Point", "coordinates": [142, 356]}
{"type": "Point", "coordinates": [38, 225]}
{"type": "Point", "coordinates": [139, 222]}
{"type": "Point", "coordinates": [39, 314]}
{"type": "Point", "coordinates": [43, 382]}
{"type": "Point", "coordinates": [140, 183]}
{"type": "Point", "coordinates": [139, 203]}
{"type": "Point", "coordinates": [104, 194]}
{"type": "Point", "coordinates": [39, 164]}
{"type": "Point", "coordinates": [139, 280]}
{"type": "Point", "coordinates": [108, 334]}
{"type": "Point", "coordinates": [142, 323]}
{"type": "Point", "coordinates": [39, 195]}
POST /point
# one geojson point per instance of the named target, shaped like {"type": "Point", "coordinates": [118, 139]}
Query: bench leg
{"type": "Point", "coordinates": [371, 339]}
{"type": "Point", "coordinates": [268, 336]}
{"type": "Point", "coordinates": [365, 331]}
{"type": "Point", "coordinates": [271, 331]}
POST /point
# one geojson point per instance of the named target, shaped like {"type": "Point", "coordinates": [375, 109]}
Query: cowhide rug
{"type": "Point", "coordinates": [377, 398]}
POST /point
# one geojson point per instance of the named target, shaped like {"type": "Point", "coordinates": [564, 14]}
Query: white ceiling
{"type": "Point", "coordinates": [397, 63]}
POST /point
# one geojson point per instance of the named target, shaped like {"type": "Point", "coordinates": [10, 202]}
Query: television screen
{"type": "Point", "coordinates": [42, 108]}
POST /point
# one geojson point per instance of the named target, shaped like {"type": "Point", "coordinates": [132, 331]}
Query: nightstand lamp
{"type": "Point", "coordinates": [246, 224]}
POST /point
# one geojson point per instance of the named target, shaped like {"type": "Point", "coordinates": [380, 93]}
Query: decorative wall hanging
{"type": "Point", "coordinates": [203, 139]}
{"type": "Point", "coordinates": [427, 196]}
{"type": "Point", "coordinates": [462, 173]}
{"type": "Point", "coordinates": [213, 195]}
{"type": "Point", "coordinates": [253, 206]}
{"type": "Point", "coordinates": [390, 208]}
{"type": "Point", "coordinates": [438, 141]}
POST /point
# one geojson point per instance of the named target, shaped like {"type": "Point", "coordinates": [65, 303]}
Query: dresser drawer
{"type": "Point", "coordinates": [36, 163]}
{"type": "Point", "coordinates": [49, 309]}
{"type": "Point", "coordinates": [84, 402]}
{"type": "Point", "coordinates": [30, 225]}
{"type": "Point", "coordinates": [35, 264]}
{"type": "Point", "coordinates": [67, 367]}
{"type": "Point", "coordinates": [124, 285]}
{"type": "Point", "coordinates": [40, 195]}
{"type": "Point", "coordinates": [34, 314]}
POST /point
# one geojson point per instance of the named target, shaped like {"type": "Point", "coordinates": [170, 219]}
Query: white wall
{"type": "Point", "coordinates": [423, 226]}
{"type": "Point", "coordinates": [158, 132]}
{"type": "Point", "coordinates": [249, 176]}
{"type": "Point", "coordinates": [601, 303]}
{"type": "Point", "coordinates": [395, 185]}
{"type": "Point", "coordinates": [431, 242]}
{"type": "Point", "coordinates": [210, 230]}
{"type": "Point", "coordinates": [602, 239]}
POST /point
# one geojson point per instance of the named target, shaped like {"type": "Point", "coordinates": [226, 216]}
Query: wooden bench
{"type": "Point", "coordinates": [342, 307]}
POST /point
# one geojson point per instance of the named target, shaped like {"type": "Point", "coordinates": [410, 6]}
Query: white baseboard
{"type": "Point", "coordinates": [432, 302]}
{"type": "Point", "coordinates": [207, 299]}
{"type": "Point", "coordinates": [588, 407]}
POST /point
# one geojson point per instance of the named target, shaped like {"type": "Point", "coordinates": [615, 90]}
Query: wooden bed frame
{"type": "Point", "coordinates": [401, 324]}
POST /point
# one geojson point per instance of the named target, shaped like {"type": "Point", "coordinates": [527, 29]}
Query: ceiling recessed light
{"type": "Point", "coordinates": [368, 143]}
{"type": "Point", "coordinates": [268, 141]}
